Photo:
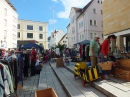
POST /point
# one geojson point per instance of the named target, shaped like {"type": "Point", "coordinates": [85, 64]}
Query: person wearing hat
{"type": "Point", "coordinates": [93, 52]}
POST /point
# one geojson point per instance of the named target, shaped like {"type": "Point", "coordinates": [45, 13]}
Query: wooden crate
{"type": "Point", "coordinates": [122, 73]}
{"type": "Point", "coordinates": [125, 63]}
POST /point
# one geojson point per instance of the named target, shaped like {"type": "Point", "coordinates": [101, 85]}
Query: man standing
{"type": "Point", "coordinates": [93, 52]}
{"type": "Point", "coordinates": [33, 60]}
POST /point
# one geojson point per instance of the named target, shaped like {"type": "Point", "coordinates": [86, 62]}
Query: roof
{"type": "Point", "coordinates": [10, 4]}
{"type": "Point", "coordinates": [63, 37]}
{"type": "Point", "coordinates": [76, 8]}
{"type": "Point", "coordinates": [68, 25]}
{"type": "Point", "coordinates": [23, 20]}
{"type": "Point", "coordinates": [85, 8]}
{"type": "Point", "coordinates": [54, 32]}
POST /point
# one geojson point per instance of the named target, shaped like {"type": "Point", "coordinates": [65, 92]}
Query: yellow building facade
{"type": "Point", "coordinates": [116, 20]}
{"type": "Point", "coordinates": [32, 31]}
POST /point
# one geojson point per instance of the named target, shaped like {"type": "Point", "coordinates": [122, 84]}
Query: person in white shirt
{"type": "Point", "coordinates": [37, 61]}
{"type": "Point", "coordinates": [38, 66]}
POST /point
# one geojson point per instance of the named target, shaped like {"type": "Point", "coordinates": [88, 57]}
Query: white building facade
{"type": "Point", "coordinates": [29, 30]}
{"type": "Point", "coordinates": [64, 40]}
{"type": "Point", "coordinates": [56, 37]}
{"type": "Point", "coordinates": [8, 25]}
{"type": "Point", "coordinates": [85, 22]}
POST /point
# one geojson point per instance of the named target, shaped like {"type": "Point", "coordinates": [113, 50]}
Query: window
{"type": "Point", "coordinates": [82, 24]}
{"type": "Point", "coordinates": [13, 37]}
{"type": "Point", "coordinates": [82, 37]}
{"type": "Point", "coordinates": [41, 44]}
{"type": "Point", "coordinates": [73, 29]}
{"type": "Point", "coordinates": [18, 26]}
{"type": "Point", "coordinates": [5, 22]}
{"type": "Point", "coordinates": [94, 10]}
{"type": "Point", "coordinates": [5, 33]}
{"type": "Point", "coordinates": [102, 23]}
{"type": "Point", "coordinates": [79, 26]}
{"type": "Point", "coordinates": [5, 44]}
{"type": "Point", "coordinates": [18, 34]}
{"type": "Point", "coordinates": [72, 20]}
{"type": "Point", "coordinates": [13, 28]}
{"type": "Point", "coordinates": [101, 11]}
{"type": "Point", "coordinates": [13, 19]}
{"type": "Point", "coordinates": [95, 23]}
{"type": "Point", "coordinates": [98, 1]}
{"type": "Point", "coordinates": [102, 36]}
{"type": "Point", "coordinates": [29, 35]}
{"type": "Point", "coordinates": [5, 12]}
{"type": "Point", "coordinates": [40, 36]}
{"type": "Point", "coordinates": [91, 22]}
{"type": "Point", "coordinates": [29, 27]}
{"type": "Point", "coordinates": [91, 35]}
{"type": "Point", "coordinates": [66, 37]}
{"type": "Point", "coordinates": [95, 34]}
{"type": "Point", "coordinates": [101, 2]}
{"type": "Point", "coordinates": [40, 28]}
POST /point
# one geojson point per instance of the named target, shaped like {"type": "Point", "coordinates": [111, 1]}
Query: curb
{"type": "Point", "coordinates": [105, 92]}
{"type": "Point", "coordinates": [61, 82]}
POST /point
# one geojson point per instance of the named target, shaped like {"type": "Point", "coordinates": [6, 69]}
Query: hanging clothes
{"type": "Point", "coordinates": [81, 50]}
{"type": "Point", "coordinates": [21, 65]}
{"type": "Point", "coordinates": [14, 68]}
{"type": "Point", "coordinates": [26, 64]}
{"type": "Point", "coordinates": [2, 88]}
{"type": "Point", "coordinates": [8, 85]}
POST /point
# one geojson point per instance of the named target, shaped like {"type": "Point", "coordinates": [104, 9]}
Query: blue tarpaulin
{"type": "Point", "coordinates": [84, 42]}
{"type": "Point", "coordinates": [30, 45]}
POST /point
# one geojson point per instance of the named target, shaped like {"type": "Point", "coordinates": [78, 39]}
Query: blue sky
{"type": "Point", "coordinates": [41, 10]}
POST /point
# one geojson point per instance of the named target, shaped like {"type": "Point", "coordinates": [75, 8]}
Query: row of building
{"type": "Point", "coordinates": [85, 23]}
{"type": "Point", "coordinates": [16, 32]}
{"type": "Point", "coordinates": [102, 18]}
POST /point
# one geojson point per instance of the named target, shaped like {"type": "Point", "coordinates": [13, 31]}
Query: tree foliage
{"type": "Point", "coordinates": [61, 47]}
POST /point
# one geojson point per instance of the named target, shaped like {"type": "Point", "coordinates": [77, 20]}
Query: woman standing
{"type": "Point", "coordinates": [105, 51]}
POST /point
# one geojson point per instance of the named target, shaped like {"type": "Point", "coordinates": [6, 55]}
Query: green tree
{"type": "Point", "coordinates": [61, 47]}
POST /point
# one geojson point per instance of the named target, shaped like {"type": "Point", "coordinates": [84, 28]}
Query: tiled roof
{"type": "Point", "coordinates": [8, 1]}
{"type": "Point", "coordinates": [85, 8]}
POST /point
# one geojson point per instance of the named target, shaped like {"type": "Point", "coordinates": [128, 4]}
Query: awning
{"type": "Point", "coordinates": [84, 42]}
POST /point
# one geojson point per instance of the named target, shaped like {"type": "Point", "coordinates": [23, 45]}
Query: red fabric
{"type": "Point", "coordinates": [105, 47]}
{"type": "Point", "coordinates": [33, 55]}
{"type": "Point", "coordinates": [81, 50]}
{"type": "Point", "coordinates": [46, 58]}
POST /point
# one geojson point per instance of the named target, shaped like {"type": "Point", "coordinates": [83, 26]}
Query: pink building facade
{"type": "Point", "coordinates": [85, 23]}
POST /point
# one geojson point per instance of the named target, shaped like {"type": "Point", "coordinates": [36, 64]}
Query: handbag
{"type": "Point", "coordinates": [106, 65]}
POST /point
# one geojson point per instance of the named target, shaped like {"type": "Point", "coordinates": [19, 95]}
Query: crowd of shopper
{"type": "Point", "coordinates": [102, 53]}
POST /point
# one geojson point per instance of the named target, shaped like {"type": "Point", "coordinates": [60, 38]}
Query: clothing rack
{"type": "Point", "coordinates": [14, 72]}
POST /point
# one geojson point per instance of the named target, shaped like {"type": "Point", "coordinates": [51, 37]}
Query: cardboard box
{"type": "Point", "coordinates": [59, 62]}
{"type": "Point", "coordinates": [122, 73]}
{"type": "Point", "coordinates": [46, 93]}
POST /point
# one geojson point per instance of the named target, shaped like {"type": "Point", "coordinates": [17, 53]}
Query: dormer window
{"type": "Point", "coordinates": [98, 1]}
{"type": "Point", "coordinates": [101, 2]}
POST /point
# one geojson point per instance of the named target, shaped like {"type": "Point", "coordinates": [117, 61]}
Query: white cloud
{"type": "Point", "coordinates": [71, 3]}
{"type": "Point", "coordinates": [51, 21]}
{"type": "Point", "coordinates": [55, 0]}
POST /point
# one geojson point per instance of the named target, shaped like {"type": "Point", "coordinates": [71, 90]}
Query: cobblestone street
{"type": "Point", "coordinates": [30, 86]}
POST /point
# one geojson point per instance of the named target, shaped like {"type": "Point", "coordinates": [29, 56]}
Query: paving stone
{"type": "Point", "coordinates": [27, 95]}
